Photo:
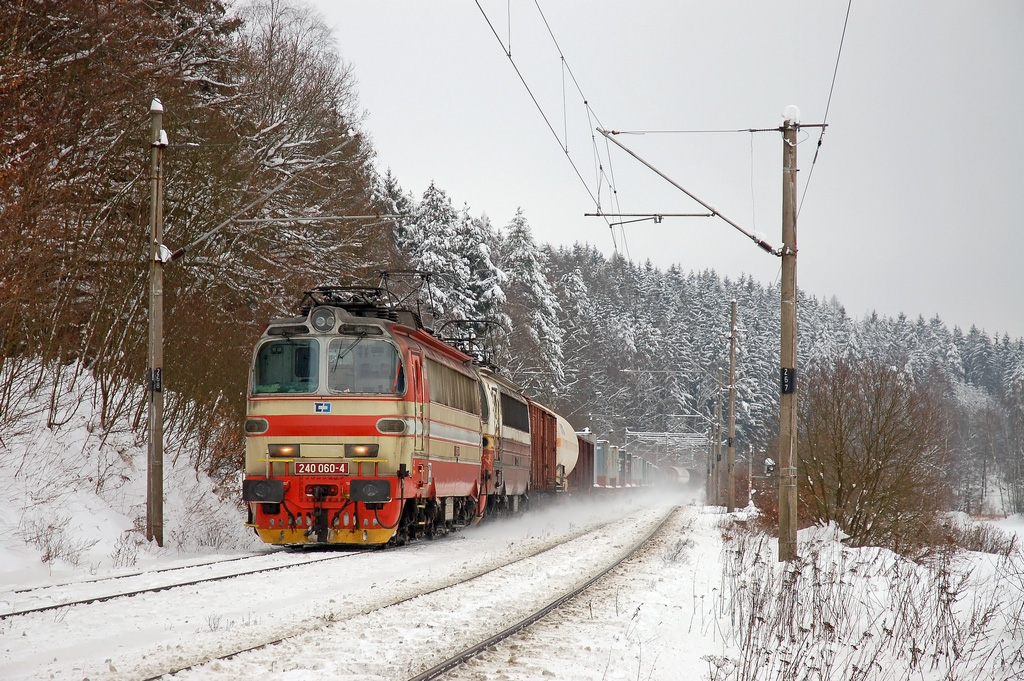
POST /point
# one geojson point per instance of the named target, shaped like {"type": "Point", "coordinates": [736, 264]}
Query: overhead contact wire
{"type": "Point", "coordinates": [591, 114]}
{"type": "Point", "coordinates": [540, 109]}
{"type": "Point", "coordinates": [601, 174]}
{"type": "Point", "coordinates": [613, 192]}
{"type": "Point", "coordinates": [828, 105]}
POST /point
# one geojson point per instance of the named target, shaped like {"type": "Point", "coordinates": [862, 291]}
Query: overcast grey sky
{"type": "Point", "coordinates": [914, 202]}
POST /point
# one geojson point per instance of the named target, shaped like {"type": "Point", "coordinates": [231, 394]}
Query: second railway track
{"type": "Point", "coordinates": [470, 652]}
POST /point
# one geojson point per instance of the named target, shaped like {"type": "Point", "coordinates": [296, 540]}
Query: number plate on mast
{"type": "Point", "coordinates": [321, 467]}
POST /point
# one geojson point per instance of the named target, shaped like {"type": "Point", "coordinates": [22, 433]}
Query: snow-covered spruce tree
{"type": "Point", "coordinates": [535, 350]}
{"type": "Point", "coordinates": [977, 354]}
{"type": "Point", "coordinates": [404, 229]}
{"type": "Point", "coordinates": [486, 280]}
{"type": "Point", "coordinates": [824, 332]}
{"type": "Point", "coordinates": [594, 389]}
{"type": "Point", "coordinates": [438, 224]}
{"type": "Point", "coordinates": [757, 366]}
{"type": "Point", "coordinates": [649, 374]}
{"type": "Point", "coordinates": [581, 375]}
{"type": "Point", "coordinates": [1013, 400]}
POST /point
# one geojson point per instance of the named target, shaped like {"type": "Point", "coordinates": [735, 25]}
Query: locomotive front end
{"type": "Point", "coordinates": [328, 431]}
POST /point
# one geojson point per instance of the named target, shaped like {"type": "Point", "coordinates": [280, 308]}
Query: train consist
{"type": "Point", "coordinates": [364, 428]}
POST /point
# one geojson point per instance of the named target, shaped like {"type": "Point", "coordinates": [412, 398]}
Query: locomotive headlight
{"type": "Point", "coordinates": [360, 451]}
{"type": "Point", "coordinates": [256, 426]}
{"type": "Point", "coordinates": [283, 450]}
{"type": "Point", "coordinates": [322, 319]}
{"type": "Point", "coordinates": [391, 426]}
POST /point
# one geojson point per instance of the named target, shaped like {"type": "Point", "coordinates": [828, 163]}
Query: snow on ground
{"type": "Point", "coordinates": [76, 495]}
{"type": "Point", "coordinates": [706, 600]}
{"type": "Point", "coordinates": [138, 637]}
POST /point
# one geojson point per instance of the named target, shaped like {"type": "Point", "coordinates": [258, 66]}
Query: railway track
{"type": "Point", "coordinates": [427, 607]}
{"type": "Point", "coordinates": [468, 653]}
{"type": "Point", "coordinates": [60, 596]}
{"type": "Point", "coordinates": [124, 575]}
{"type": "Point", "coordinates": [335, 617]}
{"type": "Point", "coordinates": [400, 603]}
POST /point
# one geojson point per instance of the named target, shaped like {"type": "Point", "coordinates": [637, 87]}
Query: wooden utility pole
{"type": "Point", "coordinates": [750, 474]}
{"type": "Point", "coordinates": [709, 493]}
{"type": "Point", "coordinates": [788, 375]}
{"type": "Point", "coordinates": [155, 462]}
{"type": "Point", "coordinates": [160, 255]}
{"type": "Point", "coordinates": [732, 411]}
{"type": "Point", "coordinates": [718, 442]}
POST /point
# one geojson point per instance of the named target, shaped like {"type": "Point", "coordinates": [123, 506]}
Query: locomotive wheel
{"type": "Point", "coordinates": [405, 531]}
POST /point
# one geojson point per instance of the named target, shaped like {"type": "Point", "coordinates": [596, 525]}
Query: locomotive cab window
{"type": "Point", "coordinates": [365, 366]}
{"type": "Point", "coordinates": [287, 366]}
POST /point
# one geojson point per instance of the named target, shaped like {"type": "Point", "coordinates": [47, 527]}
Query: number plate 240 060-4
{"type": "Point", "coordinates": [321, 467]}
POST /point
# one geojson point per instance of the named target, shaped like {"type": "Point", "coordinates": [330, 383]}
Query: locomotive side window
{"type": "Point", "coordinates": [287, 366]}
{"type": "Point", "coordinates": [515, 414]}
{"type": "Point", "coordinates": [453, 389]}
{"type": "Point", "coordinates": [365, 366]}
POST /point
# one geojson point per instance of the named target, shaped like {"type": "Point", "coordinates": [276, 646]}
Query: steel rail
{"type": "Point", "coordinates": [127, 575]}
{"type": "Point", "coordinates": [176, 585]}
{"type": "Point", "coordinates": [473, 651]}
{"type": "Point", "coordinates": [406, 599]}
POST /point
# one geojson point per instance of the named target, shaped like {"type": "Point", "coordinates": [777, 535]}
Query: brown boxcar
{"type": "Point", "coordinates": [544, 449]}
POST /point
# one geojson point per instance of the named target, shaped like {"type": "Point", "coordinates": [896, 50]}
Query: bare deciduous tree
{"type": "Point", "coordinates": [873, 455]}
{"type": "Point", "coordinates": [250, 101]}
{"type": "Point", "coordinates": [75, 82]}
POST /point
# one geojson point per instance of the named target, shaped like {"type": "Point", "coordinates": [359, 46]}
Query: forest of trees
{"type": "Point", "coordinates": [252, 95]}
{"type": "Point", "coordinates": [255, 93]}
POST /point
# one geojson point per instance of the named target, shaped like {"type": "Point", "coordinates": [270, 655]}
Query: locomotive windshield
{"type": "Point", "coordinates": [287, 366]}
{"type": "Point", "coordinates": [364, 365]}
